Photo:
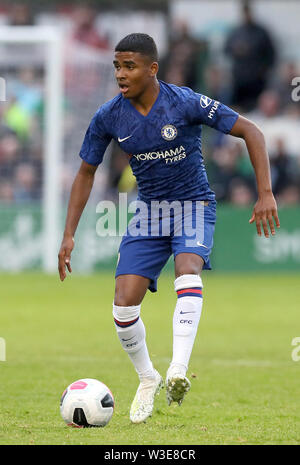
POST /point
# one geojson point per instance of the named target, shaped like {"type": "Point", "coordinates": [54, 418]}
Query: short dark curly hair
{"type": "Point", "coordinates": [138, 43]}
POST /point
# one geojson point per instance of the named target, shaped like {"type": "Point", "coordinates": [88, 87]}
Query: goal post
{"type": "Point", "coordinates": [54, 86]}
{"type": "Point", "coordinates": [52, 38]}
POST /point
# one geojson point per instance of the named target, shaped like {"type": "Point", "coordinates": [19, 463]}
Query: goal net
{"type": "Point", "coordinates": [49, 91]}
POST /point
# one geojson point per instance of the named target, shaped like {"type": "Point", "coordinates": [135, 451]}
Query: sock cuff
{"type": "Point", "coordinates": [126, 316]}
{"type": "Point", "coordinates": [187, 281]}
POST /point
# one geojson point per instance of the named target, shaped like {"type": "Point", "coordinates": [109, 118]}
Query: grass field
{"type": "Point", "coordinates": [245, 386]}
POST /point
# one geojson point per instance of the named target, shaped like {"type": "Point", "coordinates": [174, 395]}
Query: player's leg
{"type": "Point", "coordinates": [188, 285]}
{"type": "Point", "coordinates": [141, 259]}
{"type": "Point", "coordinates": [129, 293]}
{"type": "Point", "coordinates": [191, 256]}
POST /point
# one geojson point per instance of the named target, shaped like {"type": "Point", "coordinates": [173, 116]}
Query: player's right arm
{"type": "Point", "coordinates": [80, 193]}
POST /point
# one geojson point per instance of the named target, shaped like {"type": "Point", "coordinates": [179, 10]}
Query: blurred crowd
{"type": "Point", "coordinates": [254, 81]}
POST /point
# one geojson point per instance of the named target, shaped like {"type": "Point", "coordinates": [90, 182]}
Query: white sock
{"type": "Point", "coordinates": [186, 318]}
{"type": "Point", "coordinates": [132, 335]}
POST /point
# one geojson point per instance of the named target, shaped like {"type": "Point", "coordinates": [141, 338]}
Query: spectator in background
{"type": "Point", "coordinates": [267, 108]}
{"type": "Point", "coordinates": [226, 166]}
{"type": "Point", "coordinates": [17, 119]}
{"type": "Point", "coordinates": [276, 124]}
{"type": "Point", "coordinates": [252, 53]}
{"type": "Point", "coordinates": [25, 183]}
{"type": "Point", "coordinates": [240, 193]}
{"type": "Point", "coordinates": [27, 89]}
{"type": "Point", "coordinates": [117, 165]}
{"type": "Point", "coordinates": [20, 14]}
{"type": "Point", "coordinates": [216, 84]}
{"type": "Point", "coordinates": [184, 64]}
{"type": "Point", "coordinates": [10, 149]}
{"type": "Point", "coordinates": [290, 196]}
{"type": "Point", "coordinates": [6, 192]}
{"type": "Point", "coordinates": [283, 170]}
{"type": "Point", "coordinates": [84, 28]}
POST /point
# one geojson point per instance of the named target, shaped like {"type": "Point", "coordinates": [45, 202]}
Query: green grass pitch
{"type": "Point", "coordinates": [245, 385]}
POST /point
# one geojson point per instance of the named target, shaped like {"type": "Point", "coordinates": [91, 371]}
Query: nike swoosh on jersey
{"type": "Point", "coordinates": [183, 313]}
{"type": "Point", "coordinates": [201, 245]}
{"type": "Point", "coordinates": [124, 138]}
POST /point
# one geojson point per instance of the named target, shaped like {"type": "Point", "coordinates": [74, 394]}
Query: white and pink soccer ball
{"type": "Point", "coordinates": [86, 403]}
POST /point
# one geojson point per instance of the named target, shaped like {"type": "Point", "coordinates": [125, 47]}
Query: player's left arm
{"type": "Point", "coordinates": [265, 208]}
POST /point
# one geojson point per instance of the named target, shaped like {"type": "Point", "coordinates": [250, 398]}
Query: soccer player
{"type": "Point", "coordinates": [159, 126]}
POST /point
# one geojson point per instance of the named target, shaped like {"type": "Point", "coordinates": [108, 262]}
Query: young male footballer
{"type": "Point", "coordinates": [159, 126]}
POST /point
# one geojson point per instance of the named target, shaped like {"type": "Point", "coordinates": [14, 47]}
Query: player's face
{"type": "Point", "coordinates": [134, 73]}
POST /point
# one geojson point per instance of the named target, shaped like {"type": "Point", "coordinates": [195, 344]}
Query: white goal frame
{"type": "Point", "coordinates": [52, 37]}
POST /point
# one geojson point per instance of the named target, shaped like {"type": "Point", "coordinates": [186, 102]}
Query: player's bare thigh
{"type": "Point", "coordinates": [130, 289]}
{"type": "Point", "coordinates": [188, 263]}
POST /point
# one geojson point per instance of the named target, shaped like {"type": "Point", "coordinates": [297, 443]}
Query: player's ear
{"type": "Point", "coordinates": [154, 68]}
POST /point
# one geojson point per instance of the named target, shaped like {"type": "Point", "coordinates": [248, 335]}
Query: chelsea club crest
{"type": "Point", "coordinates": [169, 132]}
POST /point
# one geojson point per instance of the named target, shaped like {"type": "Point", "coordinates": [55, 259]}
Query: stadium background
{"type": "Point", "coordinates": [198, 54]}
{"type": "Point", "coordinates": [199, 47]}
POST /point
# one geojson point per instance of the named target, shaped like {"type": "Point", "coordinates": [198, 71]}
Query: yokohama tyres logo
{"type": "Point", "coordinates": [169, 156]}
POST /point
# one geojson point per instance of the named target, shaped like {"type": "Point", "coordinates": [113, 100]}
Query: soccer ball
{"type": "Point", "coordinates": [86, 403]}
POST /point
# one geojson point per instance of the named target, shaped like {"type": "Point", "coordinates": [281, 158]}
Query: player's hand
{"type": "Point", "coordinates": [264, 214]}
{"type": "Point", "coordinates": [64, 257]}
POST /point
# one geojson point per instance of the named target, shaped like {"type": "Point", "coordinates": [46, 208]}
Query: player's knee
{"type": "Point", "coordinates": [188, 264]}
{"type": "Point", "coordinates": [186, 269]}
{"type": "Point", "coordinates": [125, 298]}
{"type": "Point", "coordinates": [122, 300]}
{"type": "Point", "coordinates": [130, 290]}
{"type": "Point", "coordinates": [125, 316]}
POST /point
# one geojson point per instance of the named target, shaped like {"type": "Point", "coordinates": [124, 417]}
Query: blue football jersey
{"type": "Point", "coordinates": [164, 146]}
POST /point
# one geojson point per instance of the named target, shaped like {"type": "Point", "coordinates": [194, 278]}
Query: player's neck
{"type": "Point", "coordinates": [144, 102]}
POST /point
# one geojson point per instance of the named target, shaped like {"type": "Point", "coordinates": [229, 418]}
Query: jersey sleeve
{"type": "Point", "coordinates": [204, 110]}
{"type": "Point", "coordinates": [95, 141]}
